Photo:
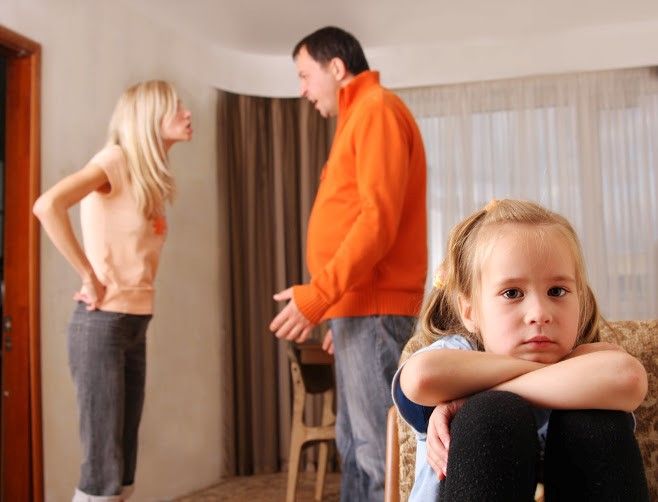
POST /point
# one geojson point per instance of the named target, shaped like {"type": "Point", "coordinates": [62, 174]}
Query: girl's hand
{"type": "Point", "coordinates": [92, 292]}
{"type": "Point", "coordinates": [438, 436]}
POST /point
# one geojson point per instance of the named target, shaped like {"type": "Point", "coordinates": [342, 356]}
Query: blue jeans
{"type": "Point", "coordinates": [367, 351]}
{"type": "Point", "coordinates": [107, 356]}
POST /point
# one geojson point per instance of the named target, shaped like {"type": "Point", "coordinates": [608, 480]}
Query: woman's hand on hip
{"type": "Point", "coordinates": [92, 292]}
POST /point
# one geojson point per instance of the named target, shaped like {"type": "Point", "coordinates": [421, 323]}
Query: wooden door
{"type": "Point", "coordinates": [21, 459]}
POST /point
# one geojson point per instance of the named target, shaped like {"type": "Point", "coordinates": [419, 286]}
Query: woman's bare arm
{"type": "Point", "coordinates": [52, 210]}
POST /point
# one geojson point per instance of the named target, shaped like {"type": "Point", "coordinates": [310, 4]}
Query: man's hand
{"type": "Point", "coordinates": [290, 324]}
{"type": "Point", "coordinates": [438, 436]}
{"type": "Point", "coordinates": [328, 342]}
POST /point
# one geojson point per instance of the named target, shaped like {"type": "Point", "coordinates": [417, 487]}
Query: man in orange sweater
{"type": "Point", "coordinates": [366, 247]}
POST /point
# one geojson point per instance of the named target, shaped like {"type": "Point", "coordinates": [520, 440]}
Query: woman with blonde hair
{"type": "Point", "coordinates": [122, 192]}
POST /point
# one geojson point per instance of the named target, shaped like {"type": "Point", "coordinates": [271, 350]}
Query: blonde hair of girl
{"type": "Point", "coordinates": [469, 244]}
{"type": "Point", "coordinates": [136, 126]}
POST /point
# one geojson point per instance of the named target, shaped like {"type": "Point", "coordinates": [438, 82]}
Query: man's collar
{"type": "Point", "coordinates": [360, 83]}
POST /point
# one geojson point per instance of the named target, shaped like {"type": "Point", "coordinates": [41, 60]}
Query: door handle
{"type": "Point", "coordinates": [6, 329]}
{"type": "Point", "coordinates": [6, 324]}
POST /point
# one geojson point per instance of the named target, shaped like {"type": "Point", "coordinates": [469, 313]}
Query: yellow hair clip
{"type": "Point", "coordinates": [491, 204]}
{"type": "Point", "coordinates": [439, 278]}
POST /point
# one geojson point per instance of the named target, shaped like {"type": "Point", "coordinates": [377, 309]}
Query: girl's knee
{"type": "Point", "coordinates": [591, 425]}
{"type": "Point", "coordinates": [493, 437]}
{"type": "Point", "coordinates": [593, 455]}
{"type": "Point", "coordinates": [493, 413]}
{"type": "Point", "coordinates": [496, 399]}
{"type": "Point", "coordinates": [495, 405]}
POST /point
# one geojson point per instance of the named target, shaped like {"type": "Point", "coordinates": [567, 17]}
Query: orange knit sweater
{"type": "Point", "coordinates": [367, 236]}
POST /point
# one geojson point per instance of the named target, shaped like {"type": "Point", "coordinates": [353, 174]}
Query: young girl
{"type": "Point", "coordinates": [518, 389]}
{"type": "Point", "coordinates": [122, 193]}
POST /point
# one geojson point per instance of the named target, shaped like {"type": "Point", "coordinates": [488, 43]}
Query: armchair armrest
{"type": "Point", "coordinates": [392, 479]}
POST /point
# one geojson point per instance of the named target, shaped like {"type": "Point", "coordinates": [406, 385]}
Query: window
{"type": "Point", "coordinates": [584, 145]}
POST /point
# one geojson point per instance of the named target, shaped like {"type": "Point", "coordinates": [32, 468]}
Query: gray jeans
{"type": "Point", "coordinates": [367, 350]}
{"type": "Point", "coordinates": [107, 357]}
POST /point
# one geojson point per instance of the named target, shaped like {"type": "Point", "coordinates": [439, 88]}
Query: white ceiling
{"type": "Point", "coordinates": [274, 26]}
{"type": "Point", "coordinates": [247, 43]}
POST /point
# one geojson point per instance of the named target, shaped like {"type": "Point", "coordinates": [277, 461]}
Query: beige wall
{"type": "Point", "coordinates": [91, 51]}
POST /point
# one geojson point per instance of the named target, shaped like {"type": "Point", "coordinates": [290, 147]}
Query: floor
{"type": "Point", "coordinates": [265, 488]}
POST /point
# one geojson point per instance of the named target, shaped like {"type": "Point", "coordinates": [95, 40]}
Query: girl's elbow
{"type": "Point", "coordinates": [411, 383]}
{"type": "Point", "coordinates": [633, 381]}
{"type": "Point", "coordinates": [418, 386]}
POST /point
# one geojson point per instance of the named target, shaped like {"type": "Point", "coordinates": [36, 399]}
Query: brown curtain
{"type": "Point", "coordinates": [270, 155]}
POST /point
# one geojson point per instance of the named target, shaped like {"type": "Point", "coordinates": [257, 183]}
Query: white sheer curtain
{"type": "Point", "coordinates": [585, 145]}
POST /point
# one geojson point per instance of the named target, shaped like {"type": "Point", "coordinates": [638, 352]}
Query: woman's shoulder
{"type": "Point", "coordinates": [109, 156]}
{"type": "Point", "coordinates": [112, 160]}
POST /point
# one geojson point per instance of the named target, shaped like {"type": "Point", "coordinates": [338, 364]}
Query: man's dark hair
{"type": "Point", "coordinates": [330, 42]}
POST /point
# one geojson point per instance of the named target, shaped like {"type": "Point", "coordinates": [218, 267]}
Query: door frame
{"type": "Point", "coordinates": [21, 460]}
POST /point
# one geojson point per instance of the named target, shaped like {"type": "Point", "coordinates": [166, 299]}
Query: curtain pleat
{"type": "Point", "coordinates": [270, 154]}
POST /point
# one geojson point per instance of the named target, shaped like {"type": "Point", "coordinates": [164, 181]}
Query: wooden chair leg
{"type": "Point", "coordinates": [328, 415]}
{"type": "Point", "coordinates": [323, 454]}
{"type": "Point", "coordinates": [328, 418]}
{"type": "Point", "coordinates": [297, 434]}
{"type": "Point", "coordinates": [392, 481]}
{"type": "Point", "coordinates": [301, 434]}
{"type": "Point", "coordinates": [296, 441]}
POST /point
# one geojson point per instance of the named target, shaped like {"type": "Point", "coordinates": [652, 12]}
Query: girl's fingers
{"type": "Point", "coordinates": [438, 436]}
{"type": "Point", "coordinates": [443, 432]}
{"type": "Point", "coordinates": [437, 454]}
{"type": "Point", "coordinates": [435, 465]}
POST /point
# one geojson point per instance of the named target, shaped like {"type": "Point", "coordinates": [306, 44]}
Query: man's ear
{"type": "Point", "coordinates": [467, 314]}
{"type": "Point", "coordinates": [338, 69]}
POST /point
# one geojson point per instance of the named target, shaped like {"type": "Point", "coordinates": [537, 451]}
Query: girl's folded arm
{"type": "Point", "coordinates": [604, 379]}
{"type": "Point", "coordinates": [432, 377]}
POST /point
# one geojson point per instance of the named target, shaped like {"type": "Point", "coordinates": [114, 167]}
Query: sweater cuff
{"type": "Point", "coordinates": [310, 302]}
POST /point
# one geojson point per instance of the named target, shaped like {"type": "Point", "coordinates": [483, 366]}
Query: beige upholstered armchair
{"type": "Point", "coordinates": [639, 338]}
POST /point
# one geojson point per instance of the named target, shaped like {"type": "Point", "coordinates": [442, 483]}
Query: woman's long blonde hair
{"type": "Point", "coordinates": [459, 274]}
{"type": "Point", "coordinates": [136, 126]}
